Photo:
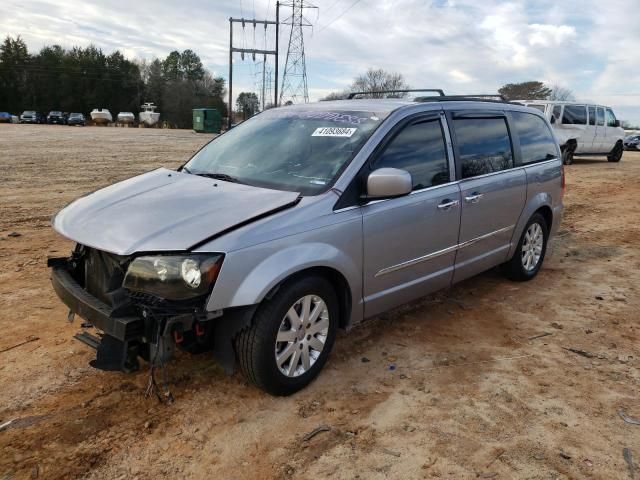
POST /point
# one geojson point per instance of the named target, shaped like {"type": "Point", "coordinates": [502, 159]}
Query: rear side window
{"type": "Point", "coordinates": [601, 116]}
{"type": "Point", "coordinates": [536, 142]}
{"type": "Point", "coordinates": [420, 150]}
{"type": "Point", "coordinates": [574, 115]}
{"type": "Point", "coordinates": [611, 118]}
{"type": "Point", "coordinates": [592, 115]}
{"type": "Point", "coordinates": [484, 145]}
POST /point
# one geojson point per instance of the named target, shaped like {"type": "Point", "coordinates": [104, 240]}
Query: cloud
{"type": "Point", "coordinates": [462, 46]}
{"type": "Point", "coordinates": [550, 35]}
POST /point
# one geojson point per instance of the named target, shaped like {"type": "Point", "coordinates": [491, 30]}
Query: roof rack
{"type": "Point", "coordinates": [497, 98]}
{"type": "Point", "coordinates": [437, 90]}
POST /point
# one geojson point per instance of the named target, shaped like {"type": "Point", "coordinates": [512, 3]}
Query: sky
{"type": "Point", "coordinates": [467, 46]}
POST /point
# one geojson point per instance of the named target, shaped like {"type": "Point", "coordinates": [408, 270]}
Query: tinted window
{"type": "Point", "coordinates": [420, 150]}
{"type": "Point", "coordinates": [611, 118]}
{"type": "Point", "coordinates": [592, 115]}
{"type": "Point", "coordinates": [575, 115]}
{"type": "Point", "coordinates": [536, 142]}
{"type": "Point", "coordinates": [557, 110]}
{"type": "Point", "coordinates": [600, 116]}
{"type": "Point", "coordinates": [484, 145]}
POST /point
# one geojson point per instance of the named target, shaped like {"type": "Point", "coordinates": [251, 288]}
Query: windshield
{"type": "Point", "coordinates": [75, 115]}
{"type": "Point", "coordinates": [288, 149]}
{"type": "Point", "coordinates": [54, 113]}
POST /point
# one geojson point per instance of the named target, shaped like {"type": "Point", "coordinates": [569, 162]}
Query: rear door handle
{"type": "Point", "coordinates": [447, 204]}
{"type": "Point", "coordinates": [474, 197]}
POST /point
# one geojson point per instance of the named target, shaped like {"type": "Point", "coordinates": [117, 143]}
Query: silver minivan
{"type": "Point", "coordinates": [305, 219]}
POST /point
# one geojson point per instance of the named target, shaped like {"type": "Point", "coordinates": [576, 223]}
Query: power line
{"type": "Point", "coordinates": [332, 5]}
{"type": "Point", "coordinates": [339, 16]}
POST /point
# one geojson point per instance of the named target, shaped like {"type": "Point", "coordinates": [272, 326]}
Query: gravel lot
{"type": "Point", "coordinates": [473, 394]}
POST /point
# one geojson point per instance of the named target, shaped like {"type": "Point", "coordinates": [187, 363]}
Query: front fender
{"type": "Point", "coordinates": [274, 269]}
{"type": "Point", "coordinates": [248, 275]}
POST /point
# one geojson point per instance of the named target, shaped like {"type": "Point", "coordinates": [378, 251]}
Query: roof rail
{"type": "Point", "coordinates": [470, 98]}
{"type": "Point", "coordinates": [437, 90]}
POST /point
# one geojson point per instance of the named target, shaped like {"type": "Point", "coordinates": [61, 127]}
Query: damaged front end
{"type": "Point", "coordinates": [145, 305]}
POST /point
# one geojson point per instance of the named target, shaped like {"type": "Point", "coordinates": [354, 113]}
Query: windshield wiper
{"type": "Point", "coordinates": [218, 176]}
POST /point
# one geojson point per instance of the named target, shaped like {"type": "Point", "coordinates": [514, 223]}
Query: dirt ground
{"type": "Point", "coordinates": [454, 386]}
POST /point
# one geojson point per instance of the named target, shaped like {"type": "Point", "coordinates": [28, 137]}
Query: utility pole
{"type": "Point", "coordinates": [294, 81]}
{"type": "Point", "coordinates": [264, 66]}
{"type": "Point", "coordinates": [252, 51]}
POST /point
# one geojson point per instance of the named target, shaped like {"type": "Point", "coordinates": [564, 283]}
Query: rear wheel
{"type": "Point", "coordinates": [616, 153]}
{"type": "Point", "coordinates": [567, 154]}
{"type": "Point", "coordinates": [291, 336]}
{"type": "Point", "coordinates": [527, 260]}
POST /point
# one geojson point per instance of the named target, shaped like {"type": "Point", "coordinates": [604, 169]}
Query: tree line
{"type": "Point", "coordinates": [81, 79]}
{"type": "Point", "coordinates": [378, 80]}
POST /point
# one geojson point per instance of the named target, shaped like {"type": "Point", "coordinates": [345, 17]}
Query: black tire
{"type": "Point", "coordinates": [616, 154]}
{"type": "Point", "coordinates": [515, 269]}
{"type": "Point", "coordinates": [256, 345]}
{"type": "Point", "coordinates": [567, 154]}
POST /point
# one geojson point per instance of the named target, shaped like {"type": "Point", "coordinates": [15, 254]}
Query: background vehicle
{"type": "Point", "coordinates": [369, 204]}
{"type": "Point", "coordinates": [582, 129]}
{"type": "Point", "coordinates": [55, 117]}
{"type": "Point", "coordinates": [76, 119]}
{"type": "Point", "coordinates": [30, 116]}
{"type": "Point", "coordinates": [101, 116]}
{"type": "Point", "coordinates": [632, 142]}
{"type": "Point", "coordinates": [5, 117]}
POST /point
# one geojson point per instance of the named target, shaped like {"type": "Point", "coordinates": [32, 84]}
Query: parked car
{"type": "Point", "coordinates": [29, 116]}
{"type": "Point", "coordinates": [582, 129]}
{"type": "Point", "coordinates": [5, 117]}
{"type": "Point", "coordinates": [632, 142]}
{"type": "Point", "coordinates": [55, 117]}
{"type": "Point", "coordinates": [306, 219]}
{"type": "Point", "coordinates": [76, 119]}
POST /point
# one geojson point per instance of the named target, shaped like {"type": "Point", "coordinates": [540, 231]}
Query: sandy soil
{"type": "Point", "coordinates": [471, 395]}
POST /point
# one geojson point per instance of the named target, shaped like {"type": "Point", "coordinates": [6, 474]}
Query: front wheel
{"type": "Point", "coordinates": [527, 260]}
{"type": "Point", "coordinates": [291, 336]}
{"type": "Point", "coordinates": [616, 153]}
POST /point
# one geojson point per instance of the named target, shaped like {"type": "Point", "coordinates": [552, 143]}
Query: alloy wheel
{"type": "Point", "coordinates": [532, 247]}
{"type": "Point", "coordinates": [302, 335]}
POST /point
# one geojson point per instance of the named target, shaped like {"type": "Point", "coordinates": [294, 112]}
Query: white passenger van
{"type": "Point", "coordinates": [582, 129]}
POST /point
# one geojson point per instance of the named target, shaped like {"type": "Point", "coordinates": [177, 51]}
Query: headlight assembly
{"type": "Point", "coordinates": [174, 277]}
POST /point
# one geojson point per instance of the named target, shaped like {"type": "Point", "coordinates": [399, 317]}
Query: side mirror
{"type": "Point", "coordinates": [553, 119]}
{"type": "Point", "coordinates": [388, 182]}
{"type": "Point", "coordinates": [617, 123]}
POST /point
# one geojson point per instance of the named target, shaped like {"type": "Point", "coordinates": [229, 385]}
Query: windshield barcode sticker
{"type": "Point", "coordinates": [333, 132]}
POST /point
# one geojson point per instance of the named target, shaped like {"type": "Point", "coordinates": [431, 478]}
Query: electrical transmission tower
{"type": "Point", "coordinates": [294, 81]}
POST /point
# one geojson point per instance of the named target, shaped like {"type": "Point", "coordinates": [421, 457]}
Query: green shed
{"type": "Point", "coordinates": [207, 120]}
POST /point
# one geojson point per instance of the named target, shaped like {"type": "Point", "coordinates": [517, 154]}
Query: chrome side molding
{"type": "Point", "coordinates": [424, 258]}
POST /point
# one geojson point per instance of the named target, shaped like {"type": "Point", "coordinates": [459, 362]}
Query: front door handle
{"type": "Point", "coordinates": [474, 197]}
{"type": "Point", "coordinates": [447, 204]}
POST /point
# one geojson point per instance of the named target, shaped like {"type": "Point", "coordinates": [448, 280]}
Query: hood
{"type": "Point", "coordinates": [164, 210]}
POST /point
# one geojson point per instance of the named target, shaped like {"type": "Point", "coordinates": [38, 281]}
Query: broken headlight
{"type": "Point", "coordinates": [174, 277]}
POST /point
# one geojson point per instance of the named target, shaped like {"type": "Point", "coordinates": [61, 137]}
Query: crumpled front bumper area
{"type": "Point", "coordinates": [133, 325]}
{"type": "Point", "coordinates": [117, 349]}
{"type": "Point", "coordinates": [87, 306]}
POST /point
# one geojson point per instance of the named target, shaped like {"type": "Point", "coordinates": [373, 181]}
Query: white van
{"type": "Point", "coordinates": [582, 129]}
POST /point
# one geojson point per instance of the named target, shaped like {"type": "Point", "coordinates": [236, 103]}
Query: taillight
{"type": "Point", "coordinates": [563, 182]}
